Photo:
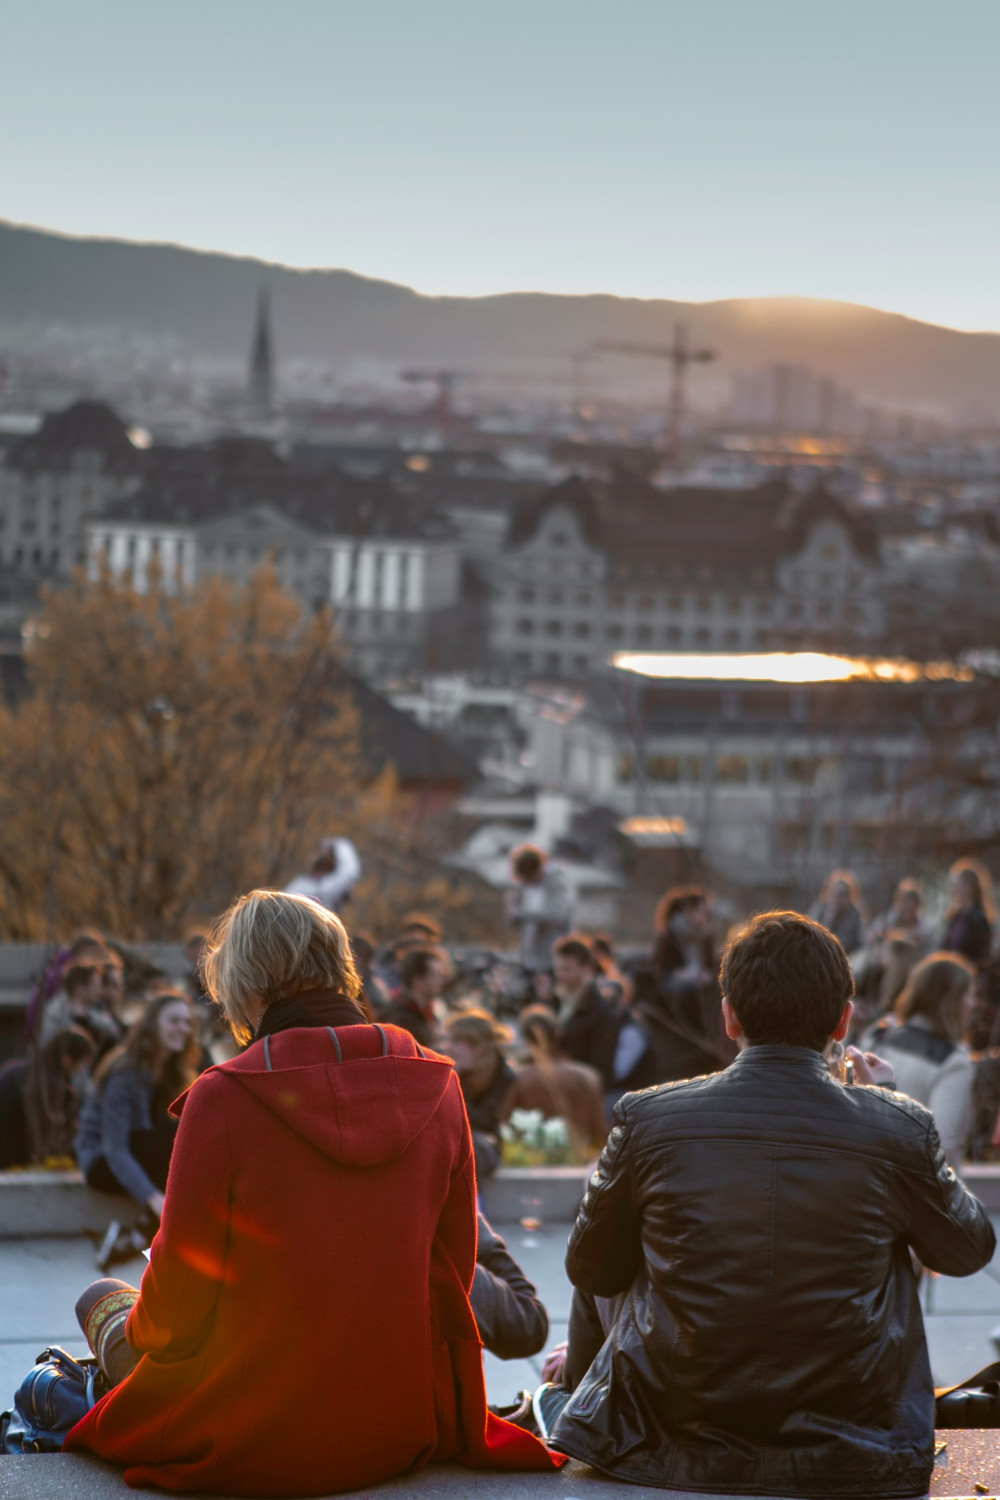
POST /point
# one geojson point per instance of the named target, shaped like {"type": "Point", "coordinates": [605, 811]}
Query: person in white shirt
{"type": "Point", "coordinates": [331, 876]}
{"type": "Point", "coordinates": [924, 1043]}
{"type": "Point", "coordinates": [540, 905]}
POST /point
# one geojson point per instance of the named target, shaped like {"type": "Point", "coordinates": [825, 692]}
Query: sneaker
{"type": "Point", "coordinates": [547, 1405]}
{"type": "Point", "coordinates": [107, 1245]}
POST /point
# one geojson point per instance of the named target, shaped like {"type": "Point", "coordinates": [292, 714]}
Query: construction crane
{"type": "Point", "coordinates": [445, 380]}
{"type": "Point", "coordinates": [679, 356]}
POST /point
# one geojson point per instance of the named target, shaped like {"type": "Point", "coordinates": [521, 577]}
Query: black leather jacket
{"type": "Point", "coordinates": [769, 1339]}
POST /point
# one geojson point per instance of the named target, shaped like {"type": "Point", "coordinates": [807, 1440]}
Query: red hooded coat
{"type": "Point", "coordinates": [305, 1318]}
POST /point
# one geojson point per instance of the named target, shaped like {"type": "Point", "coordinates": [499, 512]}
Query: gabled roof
{"type": "Point", "coordinates": [85, 426]}
{"type": "Point", "coordinates": [330, 505]}
{"type": "Point", "coordinates": [638, 526]}
{"type": "Point", "coordinates": [419, 755]}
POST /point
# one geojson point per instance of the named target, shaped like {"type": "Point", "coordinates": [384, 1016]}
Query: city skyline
{"type": "Point", "coordinates": [735, 153]}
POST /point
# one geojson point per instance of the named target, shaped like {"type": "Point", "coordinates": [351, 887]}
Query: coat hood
{"type": "Point", "coordinates": [360, 1094]}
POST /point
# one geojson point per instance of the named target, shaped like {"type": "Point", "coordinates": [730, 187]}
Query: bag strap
{"type": "Point", "coordinates": [984, 1376]}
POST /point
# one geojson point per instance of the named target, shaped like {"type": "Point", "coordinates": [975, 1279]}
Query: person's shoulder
{"type": "Point", "coordinates": [648, 1108]}
{"type": "Point", "coordinates": [899, 1116]}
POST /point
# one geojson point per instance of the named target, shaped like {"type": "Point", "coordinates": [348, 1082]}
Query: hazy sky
{"type": "Point", "coordinates": [701, 149]}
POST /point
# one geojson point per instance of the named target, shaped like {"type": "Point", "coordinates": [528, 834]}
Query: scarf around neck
{"type": "Point", "coordinates": [310, 1008]}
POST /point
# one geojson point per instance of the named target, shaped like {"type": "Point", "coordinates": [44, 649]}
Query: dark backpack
{"type": "Point", "coordinates": [50, 1400]}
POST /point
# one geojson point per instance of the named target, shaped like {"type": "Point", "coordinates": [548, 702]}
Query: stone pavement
{"type": "Point", "coordinates": [41, 1279]}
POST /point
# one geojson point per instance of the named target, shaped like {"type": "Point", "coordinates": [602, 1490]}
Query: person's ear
{"type": "Point", "coordinates": [843, 1025]}
{"type": "Point", "coordinates": [733, 1028]}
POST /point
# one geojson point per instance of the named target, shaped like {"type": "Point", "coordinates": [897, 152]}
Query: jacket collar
{"type": "Point", "coordinates": [805, 1059]}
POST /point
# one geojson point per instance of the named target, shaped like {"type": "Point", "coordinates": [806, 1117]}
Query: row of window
{"type": "Point", "coordinates": [675, 604]}
{"type": "Point", "coordinates": [730, 770]}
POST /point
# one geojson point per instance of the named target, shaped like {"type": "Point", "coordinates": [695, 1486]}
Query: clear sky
{"type": "Point", "coordinates": [678, 148]}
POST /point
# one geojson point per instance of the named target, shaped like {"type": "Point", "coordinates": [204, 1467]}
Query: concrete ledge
{"type": "Point", "coordinates": [972, 1458]}
{"type": "Point", "coordinates": [37, 1204]}
{"type": "Point", "coordinates": [34, 1204]}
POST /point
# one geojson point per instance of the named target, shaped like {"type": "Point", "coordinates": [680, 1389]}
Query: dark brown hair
{"type": "Point", "coordinates": [417, 965]}
{"type": "Point", "coordinates": [142, 1051]}
{"type": "Point", "coordinates": [935, 990]}
{"type": "Point", "coordinates": [574, 946]}
{"type": "Point", "coordinates": [787, 979]}
{"type": "Point", "coordinates": [679, 898]}
{"type": "Point", "coordinates": [527, 861]}
{"type": "Point", "coordinates": [979, 878]}
{"type": "Point", "coordinates": [78, 976]}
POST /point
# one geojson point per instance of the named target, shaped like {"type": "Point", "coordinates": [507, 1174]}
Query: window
{"type": "Point", "coordinates": [800, 770]}
{"type": "Point", "coordinates": [558, 538]}
{"type": "Point", "coordinates": [674, 635]}
{"type": "Point", "coordinates": [553, 628]}
{"type": "Point", "coordinates": [765, 769]}
{"type": "Point", "coordinates": [663, 767]}
{"type": "Point", "coordinates": [732, 638]}
{"type": "Point", "coordinates": [522, 660]}
{"type": "Point", "coordinates": [626, 768]}
{"type": "Point", "coordinates": [583, 601]}
{"type": "Point", "coordinates": [617, 600]}
{"type": "Point", "coordinates": [794, 610]}
{"type": "Point", "coordinates": [763, 606]}
{"type": "Point", "coordinates": [582, 631]}
{"type": "Point", "coordinates": [704, 604]}
{"type": "Point", "coordinates": [676, 602]}
{"type": "Point", "coordinates": [732, 770]}
{"type": "Point", "coordinates": [702, 637]}
{"type": "Point", "coordinates": [552, 661]}
{"type": "Point", "coordinates": [404, 578]}
{"type": "Point", "coordinates": [614, 633]}
{"type": "Point", "coordinates": [734, 604]}
{"type": "Point", "coordinates": [644, 635]}
{"type": "Point", "coordinates": [525, 627]}
{"type": "Point", "coordinates": [581, 663]}
{"type": "Point", "coordinates": [28, 528]}
{"type": "Point", "coordinates": [556, 597]}
{"type": "Point", "coordinates": [692, 767]}
{"type": "Point", "coordinates": [526, 596]}
{"type": "Point", "coordinates": [645, 602]}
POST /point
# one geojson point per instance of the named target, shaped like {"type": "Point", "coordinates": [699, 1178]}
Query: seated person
{"type": "Point", "coordinates": [512, 1320]}
{"type": "Point", "coordinates": [82, 1001]}
{"type": "Point", "coordinates": [560, 1088]}
{"type": "Point", "coordinates": [320, 1207]}
{"type": "Point", "coordinates": [754, 1229]}
{"type": "Point", "coordinates": [126, 1136]}
{"type": "Point", "coordinates": [332, 875]}
{"type": "Point", "coordinates": [588, 1025]}
{"type": "Point", "coordinates": [473, 1039]}
{"type": "Point", "coordinates": [423, 975]}
{"type": "Point", "coordinates": [39, 1098]}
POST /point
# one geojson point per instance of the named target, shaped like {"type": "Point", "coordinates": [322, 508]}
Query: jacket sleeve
{"type": "Point", "coordinates": [119, 1117]}
{"type": "Point", "coordinates": [605, 1245]}
{"type": "Point", "coordinates": [513, 1323]}
{"type": "Point", "coordinates": [948, 1227]}
{"type": "Point", "coordinates": [187, 1265]}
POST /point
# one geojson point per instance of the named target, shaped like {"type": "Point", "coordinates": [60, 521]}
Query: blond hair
{"type": "Point", "coordinates": [270, 946]}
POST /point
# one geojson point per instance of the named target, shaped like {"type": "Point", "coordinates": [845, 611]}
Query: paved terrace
{"type": "Point", "coordinates": [41, 1278]}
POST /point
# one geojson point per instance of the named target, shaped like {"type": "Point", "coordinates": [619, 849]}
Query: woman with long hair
{"type": "Point", "coordinates": [925, 1042]}
{"type": "Point", "coordinates": [840, 909]}
{"type": "Point", "coordinates": [304, 1324]}
{"type": "Point", "coordinates": [126, 1134]}
{"type": "Point", "coordinates": [971, 912]}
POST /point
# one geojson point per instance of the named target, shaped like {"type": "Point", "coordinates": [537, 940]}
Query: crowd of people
{"type": "Point", "coordinates": [310, 1098]}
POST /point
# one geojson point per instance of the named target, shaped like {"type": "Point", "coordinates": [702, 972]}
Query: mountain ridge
{"type": "Point", "coordinates": [205, 301]}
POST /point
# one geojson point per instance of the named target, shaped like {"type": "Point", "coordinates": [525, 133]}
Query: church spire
{"type": "Point", "coordinates": [261, 383]}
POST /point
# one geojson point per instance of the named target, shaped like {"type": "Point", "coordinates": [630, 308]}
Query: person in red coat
{"type": "Point", "coordinates": [304, 1323]}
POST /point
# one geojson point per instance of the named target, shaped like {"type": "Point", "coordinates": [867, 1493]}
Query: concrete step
{"type": "Point", "coordinates": [973, 1458]}
{"type": "Point", "coordinates": [37, 1204]}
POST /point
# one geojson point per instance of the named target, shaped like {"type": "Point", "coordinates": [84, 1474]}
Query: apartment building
{"type": "Point", "coordinates": [391, 571]}
{"type": "Point", "coordinates": [592, 569]}
{"type": "Point", "coordinates": [53, 481]}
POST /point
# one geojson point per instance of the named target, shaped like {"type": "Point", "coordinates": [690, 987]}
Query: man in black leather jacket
{"type": "Point", "coordinates": [755, 1228]}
